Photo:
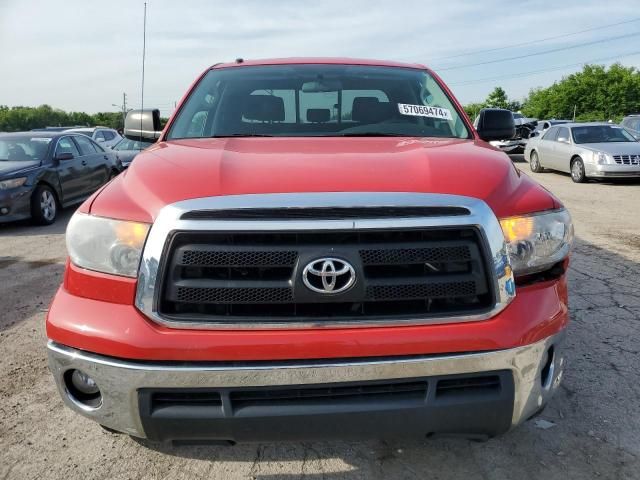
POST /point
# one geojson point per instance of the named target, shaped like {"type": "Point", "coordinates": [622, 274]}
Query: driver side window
{"type": "Point", "coordinates": [550, 134]}
{"type": "Point", "coordinates": [563, 135]}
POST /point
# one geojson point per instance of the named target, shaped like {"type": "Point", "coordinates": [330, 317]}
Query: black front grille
{"type": "Point", "coordinates": [257, 277]}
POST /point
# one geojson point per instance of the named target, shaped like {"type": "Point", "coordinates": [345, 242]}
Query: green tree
{"type": "Point", "coordinates": [14, 119]}
{"type": "Point", "coordinates": [596, 93]}
{"type": "Point", "coordinates": [497, 99]}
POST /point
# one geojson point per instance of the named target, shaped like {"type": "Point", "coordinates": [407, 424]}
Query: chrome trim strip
{"type": "Point", "coordinates": [119, 380]}
{"type": "Point", "coordinates": [169, 220]}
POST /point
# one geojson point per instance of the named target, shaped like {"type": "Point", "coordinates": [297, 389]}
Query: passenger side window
{"type": "Point", "coordinates": [196, 128]}
{"type": "Point", "coordinates": [86, 146]}
{"type": "Point", "coordinates": [108, 135]}
{"type": "Point", "coordinates": [99, 135]}
{"type": "Point", "coordinates": [66, 145]}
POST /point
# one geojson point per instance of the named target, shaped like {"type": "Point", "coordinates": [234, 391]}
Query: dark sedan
{"type": "Point", "coordinates": [41, 172]}
{"type": "Point", "coordinates": [127, 149]}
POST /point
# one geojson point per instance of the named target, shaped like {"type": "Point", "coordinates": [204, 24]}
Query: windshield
{"type": "Point", "coordinates": [127, 144]}
{"type": "Point", "coordinates": [318, 100]}
{"type": "Point", "coordinates": [601, 134]}
{"type": "Point", "coordinates": [23, 149]}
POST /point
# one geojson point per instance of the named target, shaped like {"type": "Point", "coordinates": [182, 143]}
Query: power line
{"type": "Point", "coordinates": [532, 42]}
{"type": "Point", "coordinates": [544, 52]}
{"type": "Point", "coordinates": [535, 72]}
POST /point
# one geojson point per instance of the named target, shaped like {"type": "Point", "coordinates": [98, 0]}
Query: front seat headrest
{"type": "Point", "coordinates": [370, 110]}
{"type": "Point", "coordinates": [264, 108]}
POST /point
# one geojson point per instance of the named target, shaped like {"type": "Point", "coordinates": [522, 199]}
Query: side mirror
{"type": "Point", "coordinates": [64, 156]}
{"type": "Point", "coordinates": [142, 125]}
{"type": "Point", "coordinates": [495, 124]}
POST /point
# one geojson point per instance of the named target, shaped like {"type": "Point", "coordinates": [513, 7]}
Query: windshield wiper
{"type": "Point", "coordinates": [242, 135]}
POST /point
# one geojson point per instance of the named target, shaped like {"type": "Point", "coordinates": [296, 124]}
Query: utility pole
{"type": "Point", "coordinates": [123, 107]}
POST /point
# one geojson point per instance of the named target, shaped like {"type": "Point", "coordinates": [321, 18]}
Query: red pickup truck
{"type": "Point", "coordinates": [314, 248]}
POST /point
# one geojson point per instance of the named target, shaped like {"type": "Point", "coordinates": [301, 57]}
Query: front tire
{"type": "Point", "coordinates": [534, 163]}
{"type": "Point", "coordinates": [578, 174]}
{"type": "Point", "coordinates": [44, 206]}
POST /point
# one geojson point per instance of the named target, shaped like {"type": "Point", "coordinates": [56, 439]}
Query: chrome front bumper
{"type": "Point", "coordinates": [613, 171]}
{"type": "Point", "coordinates": [120, 380]}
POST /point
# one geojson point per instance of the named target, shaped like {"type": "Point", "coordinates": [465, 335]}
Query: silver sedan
{"type": "Point", "coordinates": [598, 150]}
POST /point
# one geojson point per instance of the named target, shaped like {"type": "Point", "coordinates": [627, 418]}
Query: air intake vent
{"type": "Point", "coordinates": [416, 390]}
{"type": "Point", "coordinates": [464, 386]}
{"type": "Point", "coordinates": [187, 398]}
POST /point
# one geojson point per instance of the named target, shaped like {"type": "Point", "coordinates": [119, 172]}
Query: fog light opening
{"type": "Point", "coordinates": [546, 375]}
{"type": "Point", "coordinates": [82, 389]}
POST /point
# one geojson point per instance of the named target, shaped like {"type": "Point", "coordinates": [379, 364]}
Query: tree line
{"type": "Point", "coordinates": [15, 119]}
{"type": "Point", "coordinates": [596, 93]}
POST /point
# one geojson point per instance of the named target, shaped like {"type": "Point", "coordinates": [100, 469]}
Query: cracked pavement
{"type": "Point", "coordinates": [594, 429]}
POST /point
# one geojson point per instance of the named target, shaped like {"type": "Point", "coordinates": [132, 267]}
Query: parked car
{"type": "Point", "coordinates": [586, 150]}
{"type": "Point", "coordinates": [107, 137]}
{"type": "Point", "coordinates": [544, 125]}
{"type": "Point", "coordinates": [127, 149]}
{"type": "Point", "coordinates": [632, 123]}
{"type": "Point", "coordinates": [316, 248]}
{"type": "Point", "coordinates": [41, 172]}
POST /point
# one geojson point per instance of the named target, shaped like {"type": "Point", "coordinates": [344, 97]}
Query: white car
{"type": "Point", "coordinates": [585, 150]}
{"type": "Point", "coordinates": [107, 137]}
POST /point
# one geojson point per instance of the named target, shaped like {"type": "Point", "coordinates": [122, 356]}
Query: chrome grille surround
{"type": "Point", "coordinates": [169, 220]}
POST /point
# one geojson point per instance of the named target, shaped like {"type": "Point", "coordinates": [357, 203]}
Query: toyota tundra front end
{"type": "Point", "coordinates": [314, 248]}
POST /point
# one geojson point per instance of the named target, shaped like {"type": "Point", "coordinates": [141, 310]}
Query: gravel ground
{"type": "Point", "coordinates": [594, 420]}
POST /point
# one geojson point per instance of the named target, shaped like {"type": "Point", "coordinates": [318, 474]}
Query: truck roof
{"type": "Point", "coordinates": [318, 60]}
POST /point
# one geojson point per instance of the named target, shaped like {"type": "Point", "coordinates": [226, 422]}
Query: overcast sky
{"type": "Point", "coordinates": [81, 55]}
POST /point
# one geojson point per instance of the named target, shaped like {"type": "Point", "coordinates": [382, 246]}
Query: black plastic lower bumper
{"type": "Point", "coordinates": [470, 405]}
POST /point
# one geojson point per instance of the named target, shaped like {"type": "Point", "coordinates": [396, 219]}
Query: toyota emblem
{"type": "Point", "coordinates": [329, 275]}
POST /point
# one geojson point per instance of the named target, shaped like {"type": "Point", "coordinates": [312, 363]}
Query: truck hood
{"type": "Point", "coordinates": [182, 169]}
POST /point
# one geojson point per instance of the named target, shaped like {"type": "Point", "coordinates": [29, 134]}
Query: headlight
{"type": "Point", "coordinates": [536, 242]}
{"type": "Point", "coordinates": [106, 245]}
{"type": "Point", "coordinates": [13, 183]}
{"type": "Point", "coordinates": [600, 158]}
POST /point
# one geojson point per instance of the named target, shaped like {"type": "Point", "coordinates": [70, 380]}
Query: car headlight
{"type": "Point", "coordinates": [106, 245]}
{"type": "Point", "coordinates": [600, 158]}
{"type": "Point", "coordinates": [536, 242]}
{"type": "Point", "coordinates": [13, 183]}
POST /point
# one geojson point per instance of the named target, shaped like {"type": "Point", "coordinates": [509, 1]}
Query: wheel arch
{"type": "Point", "coordinates": [56, 194]}
{"type": "Point", "coordinates": [574, 157]}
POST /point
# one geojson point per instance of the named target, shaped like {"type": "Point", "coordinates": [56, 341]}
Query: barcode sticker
{"type": "Point", "coordinates": [425, 111]}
